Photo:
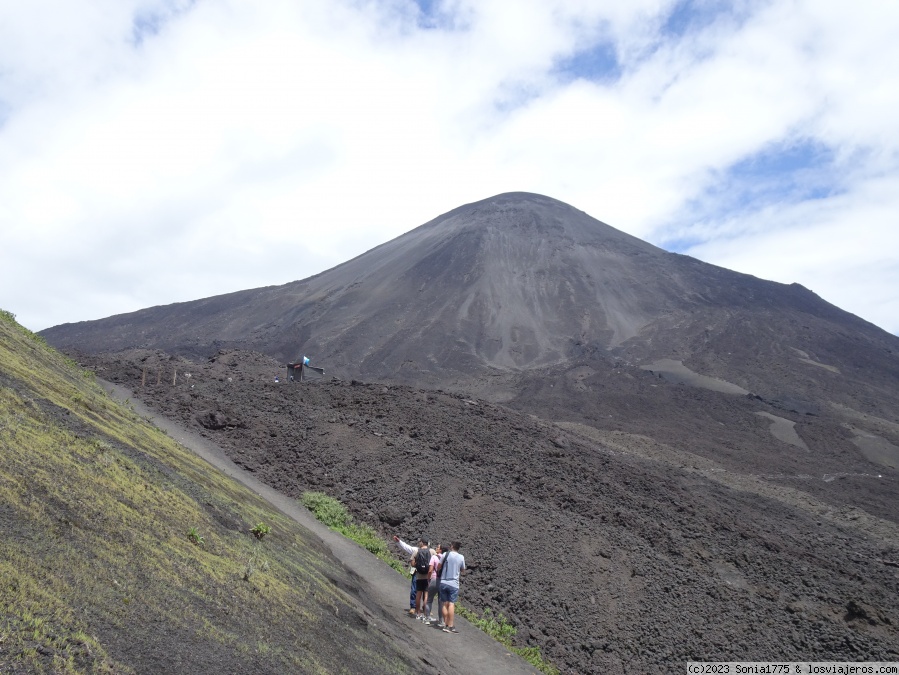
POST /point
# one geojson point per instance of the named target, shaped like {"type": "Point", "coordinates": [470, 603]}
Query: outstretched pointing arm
{"type": "Point", "coordinates": [403, 545]}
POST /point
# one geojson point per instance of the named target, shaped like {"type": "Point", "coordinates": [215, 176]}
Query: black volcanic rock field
{"type": "Point", "coordinates": [608, 548]}
{"type": "Point", "coordinates": [648, 458]}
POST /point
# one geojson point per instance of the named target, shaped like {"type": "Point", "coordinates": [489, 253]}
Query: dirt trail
{"type": "Point", "coordinates": [471, 651]}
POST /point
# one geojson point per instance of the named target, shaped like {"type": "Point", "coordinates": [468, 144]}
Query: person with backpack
{"type": "Point", "coordinates": [450, 569]}
{"type": "Point", "coordinates": [421, 561]}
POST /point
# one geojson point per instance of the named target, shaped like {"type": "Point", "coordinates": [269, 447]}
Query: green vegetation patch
{"type": "Point", "coordinates": [38, 632]}
{"type": "Point", "coordinates": [336, 516]}
{"type": "Point", "coordinates": [498, 627]}
{"type": "Point", "coordinates": [121, 549]}
{"type": "Point", "coordinates": [259, 530]}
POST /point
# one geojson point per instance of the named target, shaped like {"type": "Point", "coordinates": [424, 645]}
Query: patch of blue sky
{"type": "Point", "coordinates": [148, 22]}
{"type": "Point", "coordinates": [794, 171]}
{"type": "Point", "coordinates": [692, 16]}
{"type": "Point", "coordinates": [782, 173]}
{"type": "Point", "coordinates": [511, 96]}
{"type": "Point", "coordinates": [689, 16]}
{"type": "Point", "coordinates": [145, 25]}
{"type": "Point", "coordinates": [598, 63]}
{"type": "Point", "coordinates": [682, 244]}
{"type": "Point", "coordinates": [433, 16]}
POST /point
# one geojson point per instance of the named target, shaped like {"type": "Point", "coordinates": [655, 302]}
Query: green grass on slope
{"type": "Point", "coordinates": [336, 516]}
{"type": "Point", "coordinates": [98, 572]}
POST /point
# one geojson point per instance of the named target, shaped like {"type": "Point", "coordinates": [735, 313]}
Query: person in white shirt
{"type": "Point", "coordinates": [408, 548]}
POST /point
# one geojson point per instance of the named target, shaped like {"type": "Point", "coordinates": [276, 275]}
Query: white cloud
{"type": "Point", "coordinates": [842, 247]}
{"type": "Point", "coordinates": [156, 151]}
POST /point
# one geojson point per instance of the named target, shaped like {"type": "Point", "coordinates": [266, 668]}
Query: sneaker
{"type": "Point", "coordinates": [440, 624]}
{"type": "Point", "coordinates": [412, 613]}
{"type": "Point", "coordinates": [427, 621]}
{"type": "Point", "coordinates": [450, 629]}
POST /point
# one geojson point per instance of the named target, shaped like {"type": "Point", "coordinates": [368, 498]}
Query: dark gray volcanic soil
{"type": "Point", "coordinates": [733, 432]}
{"type": "Point", "coordinates": [609, 539]}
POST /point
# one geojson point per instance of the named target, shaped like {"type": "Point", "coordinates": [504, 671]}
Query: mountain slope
{"type": "Point", "coordinates": [521, 281]}
{"type": "Point", "coordinates": [498, 283]}
{"type": "Point", "coordinates": [122, 552]}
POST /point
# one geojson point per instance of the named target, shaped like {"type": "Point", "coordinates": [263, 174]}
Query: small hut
{"type": "Point", "coordinates": [301, 371]}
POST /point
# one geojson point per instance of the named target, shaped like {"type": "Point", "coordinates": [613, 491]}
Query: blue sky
{"type": "Point", "coordinates": [155, 151]}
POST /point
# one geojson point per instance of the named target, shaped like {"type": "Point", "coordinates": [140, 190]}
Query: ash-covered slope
{"type": "Point", "coordinates": [521, 281]}
{"type": "Point", "coordinates": [512, 281]}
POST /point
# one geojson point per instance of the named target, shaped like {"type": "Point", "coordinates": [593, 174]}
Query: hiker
{"type": "Point", "coordinates": [410, 550]}
{"type": "Point", "coordinates": [434, 586]}
{"type": "Point", "coordinates": [450, 569]}
{"type": "Point", "coordinates": [421, 562]}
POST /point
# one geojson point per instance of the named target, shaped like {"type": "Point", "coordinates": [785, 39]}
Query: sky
{"type": "Point", "coordinates": [159, 151]}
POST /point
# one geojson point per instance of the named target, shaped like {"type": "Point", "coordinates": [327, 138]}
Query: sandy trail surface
{"type": "Point", "coordinates": [472, 651]}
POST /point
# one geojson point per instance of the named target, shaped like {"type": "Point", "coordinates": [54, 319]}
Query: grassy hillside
{"type": "Point", "coordinates": [121, 552]}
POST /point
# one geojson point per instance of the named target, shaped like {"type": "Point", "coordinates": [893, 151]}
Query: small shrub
{"type": "Point", "coordinates": [497, 627]}
{"type": "Point", "coordinates": [260, 530]}
{"type": "Point", "coordinates": [195, 537]}
{"type": "Point", "coordinates": [327, 509]}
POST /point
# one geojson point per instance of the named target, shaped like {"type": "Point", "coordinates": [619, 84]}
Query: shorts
{"type": "Point", "coordinates": [448, 593]}
{"type": "Point", "coordinates": [421, 585]}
